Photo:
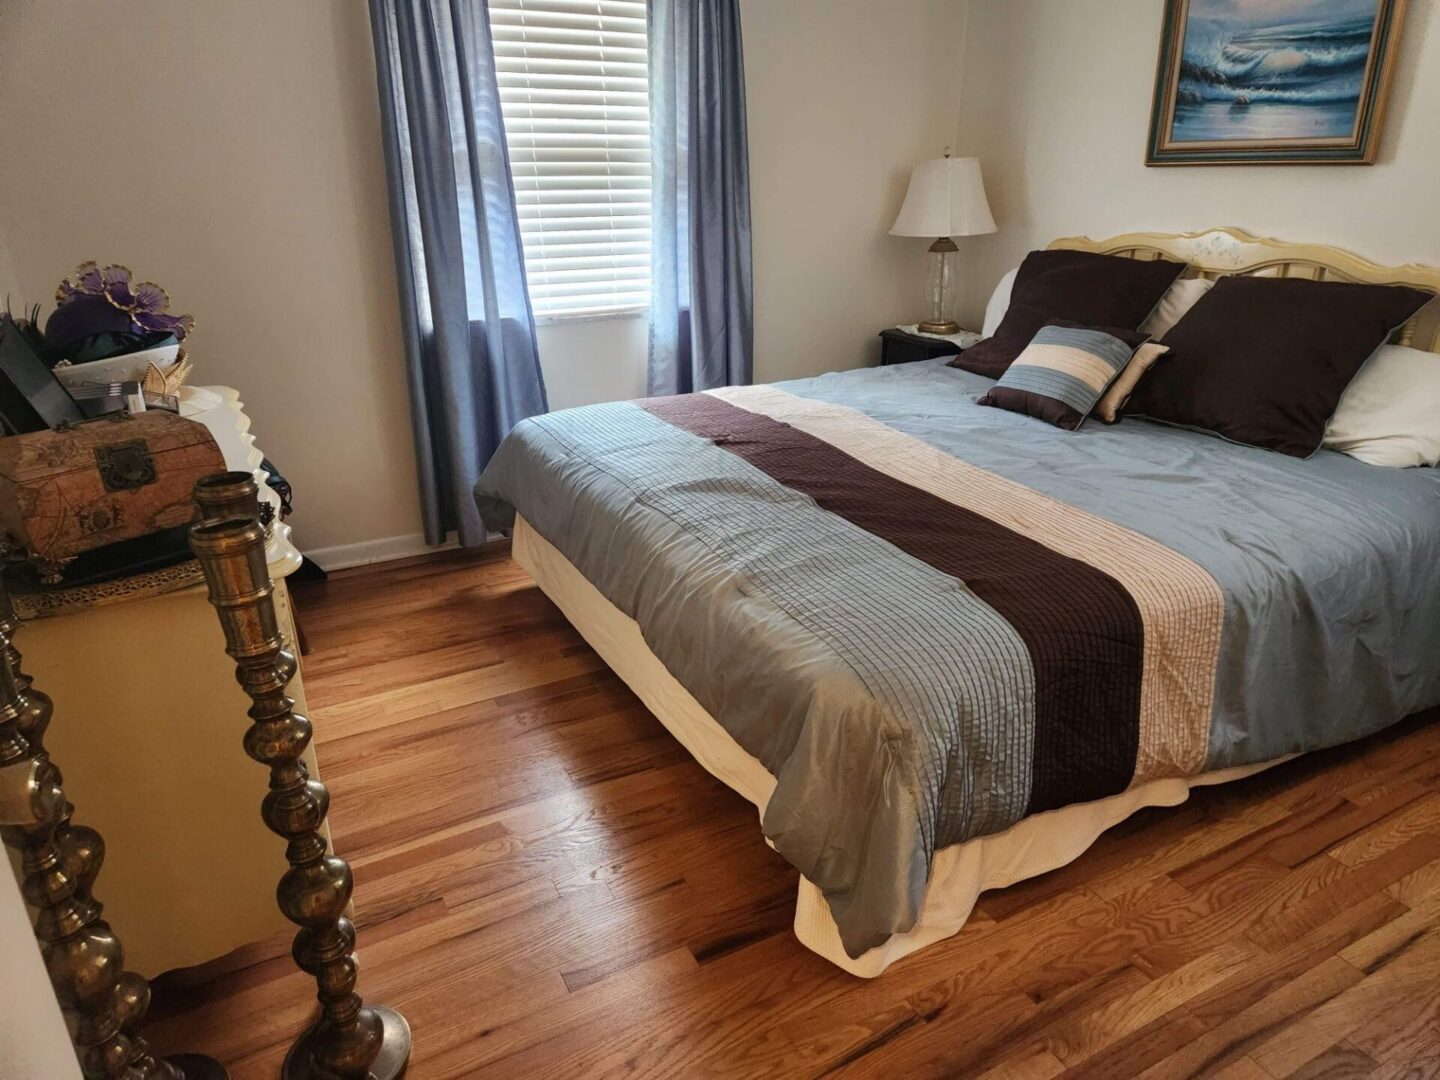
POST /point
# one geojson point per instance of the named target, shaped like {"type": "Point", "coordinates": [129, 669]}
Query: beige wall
{"type": "Point", "coordinates": [1056, 104]}
{"type": "Point", "coordinates": [229, 151]}
{"type": "Point", "coordinates": [843, 97]}
{"type": "Point", "coordinates": [9, 287]}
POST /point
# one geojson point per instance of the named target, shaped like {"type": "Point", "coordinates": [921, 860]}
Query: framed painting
{"type": "Point", "coordinates": [1242, 82]}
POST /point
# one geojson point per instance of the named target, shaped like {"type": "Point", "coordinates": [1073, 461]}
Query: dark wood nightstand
{"type": "Point", "coordinates": [898, 347]}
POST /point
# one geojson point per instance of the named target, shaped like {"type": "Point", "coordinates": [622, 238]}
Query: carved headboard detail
{"type": "Point", "coordinates": [1218, 252]}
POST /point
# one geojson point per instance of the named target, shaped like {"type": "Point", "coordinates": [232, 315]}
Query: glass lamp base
{"type": "Point", "coordinates": [942, 277]}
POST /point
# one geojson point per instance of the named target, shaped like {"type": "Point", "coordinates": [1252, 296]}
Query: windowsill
{"type": "Point", "coordinates": [592, 316]}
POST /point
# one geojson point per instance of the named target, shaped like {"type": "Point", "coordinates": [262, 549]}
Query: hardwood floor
{"type": "Point", "coordinates": [548, 886]}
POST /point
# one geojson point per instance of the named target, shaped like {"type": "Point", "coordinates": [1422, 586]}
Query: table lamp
{"type": "Point", "coordinates": [946, 199]}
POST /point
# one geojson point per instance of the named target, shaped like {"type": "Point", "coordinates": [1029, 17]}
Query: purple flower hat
{"type": "Point", "coordinates": [100, 313]}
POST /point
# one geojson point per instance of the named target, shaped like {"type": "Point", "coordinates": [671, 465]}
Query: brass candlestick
{"type": "Point", "coordinates": [102, 1002]}
{"type": "Point", "coordinates": [350, 1039]}
{"type": "Point", "coordinates": [231, 495]}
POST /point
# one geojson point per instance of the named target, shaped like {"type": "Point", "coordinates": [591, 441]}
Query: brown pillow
{"type": "Point", "coordinates": [1263, 361]}
{"type": "Point", "coordinates": [1076, 286]}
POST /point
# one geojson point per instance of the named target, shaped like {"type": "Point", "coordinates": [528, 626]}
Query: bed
{"type": "Point", "coordinates": [941, 647]}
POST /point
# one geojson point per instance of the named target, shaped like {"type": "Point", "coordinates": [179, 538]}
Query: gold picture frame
{"type": "Point", "coordinates": [1276, 87]}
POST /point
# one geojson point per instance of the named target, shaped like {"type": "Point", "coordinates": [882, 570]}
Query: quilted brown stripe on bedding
{"type": "Point", "coordinates": [1081, 626]}
{"type": "Point", "coordinates": [1180, 604]}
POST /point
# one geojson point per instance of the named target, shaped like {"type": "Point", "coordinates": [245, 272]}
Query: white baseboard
{"type": "Point", "coordinates": [386, 548]}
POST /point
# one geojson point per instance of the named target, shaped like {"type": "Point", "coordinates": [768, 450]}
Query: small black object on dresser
{"type": "Point", "coordinates": [899, 347]}
{"type": "Point", "coordinates": [31, 397]}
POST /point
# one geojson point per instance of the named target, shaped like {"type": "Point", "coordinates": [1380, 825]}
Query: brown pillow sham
{"type": "Point", "coordinates": [1076, 286]}
{"type": "Point", "coordinates": [1263, 361]}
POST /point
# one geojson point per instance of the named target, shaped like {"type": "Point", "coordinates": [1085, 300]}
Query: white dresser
{"type": "Point", "coordinates": [147, 730]}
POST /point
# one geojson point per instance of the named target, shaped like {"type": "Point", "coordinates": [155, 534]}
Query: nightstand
{"type": "Point", "coordinates": [901, 347]}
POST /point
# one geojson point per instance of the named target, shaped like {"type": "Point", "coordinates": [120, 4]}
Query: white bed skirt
{"type": "Point", "coordinates": [958, 874]}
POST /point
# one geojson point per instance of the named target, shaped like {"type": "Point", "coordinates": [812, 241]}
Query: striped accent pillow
{"type": "Point", "coordinates": [1064, 371]}
{"type": "Point", "coordinates": [1114, 399]}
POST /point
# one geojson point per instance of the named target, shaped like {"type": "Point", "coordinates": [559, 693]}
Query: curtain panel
{"type": "Point", "coordinates": [474, 371]}
{"type": "Point", "coordinates": [701, 306]}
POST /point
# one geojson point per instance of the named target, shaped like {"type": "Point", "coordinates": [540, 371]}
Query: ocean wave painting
{"type": "Point", "coordinates": [1271, 72]}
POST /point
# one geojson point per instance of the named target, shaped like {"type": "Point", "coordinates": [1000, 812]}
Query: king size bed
{"type": "Point", "coordinates": [941, 646]}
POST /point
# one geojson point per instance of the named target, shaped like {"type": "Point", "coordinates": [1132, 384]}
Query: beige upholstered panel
{"type": "Point", "coordinates": [1218, 252]}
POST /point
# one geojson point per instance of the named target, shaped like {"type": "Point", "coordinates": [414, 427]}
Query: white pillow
{"type": "Point", "coordinates": [1390, 413]}
{"type": "Point", "coordinates": [999, 304]}
{"type": "Point", "coordinates": [1178, 299]}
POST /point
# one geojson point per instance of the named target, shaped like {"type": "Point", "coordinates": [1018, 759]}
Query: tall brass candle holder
{"type": "Point", "coordinates": [231, 495]}
{"type": "Point", "coordinates": [102, 1002]}
{"type": "Point", "coordinates": [350, 1039]}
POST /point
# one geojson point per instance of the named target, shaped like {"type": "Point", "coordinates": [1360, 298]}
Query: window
{"type": "Point", "coordinates": [574, 91]}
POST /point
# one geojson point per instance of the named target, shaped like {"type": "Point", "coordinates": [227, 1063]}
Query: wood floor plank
{"type": "Point", "coordinates": [1128, 1057]}
{"type": "Point", "coordinates": [1302, 835]}
{"type": "Point", "coordinates": [1277, 969]}
{"type": "Point", "coordinates": [1248, 1029]}
{"type": "Point", "coordinates": [1019, 1036]}
{"type": "Point", "coordinates": [1241, 1069]}
{"type": "Point", "coordinates": [1246, 894]}
{"type": "Point", "coordinates": [1346, 891]}
{"type": "Point", "coordinates": [1407, 1032]}
{"type": "Point", "coordinates": [1093, 1031]}
{"type": "Point", "coordinates": [1426, 1067]}
{"type": "Point", "coordinates": [1341, 1062]}
{"type": "Point", "coordinates": [929, 1047]}
{"type": "Point", "coordinates": [1418, 885]}
{"type": "Point", "coordinates": [1389, 979]}
{"type": "Point", "coordinates": [547, 886]}
{"type": "Point", "coordinates": [1039, 1064]}
{"type": "Point", "coordinates": [1418, 818]}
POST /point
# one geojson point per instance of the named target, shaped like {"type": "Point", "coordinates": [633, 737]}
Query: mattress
{"type": "Point", "coordinates": [931, 622]}
{"type": "Point", "coordinates": [959, 873]}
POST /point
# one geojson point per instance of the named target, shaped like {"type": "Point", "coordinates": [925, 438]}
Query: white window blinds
{"type": "Point", "coordinates": [574, 90]}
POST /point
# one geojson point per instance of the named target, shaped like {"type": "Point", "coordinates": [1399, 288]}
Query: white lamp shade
{"type": "Point", "coordinates": [946, 198]}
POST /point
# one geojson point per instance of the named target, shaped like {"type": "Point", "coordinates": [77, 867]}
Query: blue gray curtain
{"type": "Point", "coordinates": [469, 332]}
{"type": "Point", "coordinates": [701, 303]}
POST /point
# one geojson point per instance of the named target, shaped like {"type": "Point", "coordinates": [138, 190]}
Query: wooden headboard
{"type": "Point", "coordinates": [1218, 252]}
